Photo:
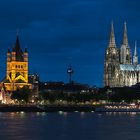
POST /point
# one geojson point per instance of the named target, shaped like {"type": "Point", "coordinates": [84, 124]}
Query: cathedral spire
{"type": "Point", "coordinates": [135, 51]}
{"type": "Point", "coordinates": [112, 42]}
{"type": "Point", "coordinates": [125, 38]}
{"type": "Point", "coordinates": [135, 57]}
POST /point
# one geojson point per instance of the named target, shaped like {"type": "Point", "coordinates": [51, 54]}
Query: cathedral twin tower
{"type": "Point", "coordinates": [119, 69]}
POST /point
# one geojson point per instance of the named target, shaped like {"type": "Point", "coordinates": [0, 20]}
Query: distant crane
{"type": "Point", "coordinates": [70, 72]}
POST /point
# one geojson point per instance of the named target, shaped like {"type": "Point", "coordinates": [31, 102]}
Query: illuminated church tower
{"type": "Point", "coordinates": [17, 68]}
{"type": "Point", "coordinates": [111, 62]}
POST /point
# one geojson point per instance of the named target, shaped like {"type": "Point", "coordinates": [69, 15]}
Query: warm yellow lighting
{"type": "Point", "coordinates": [17, 71]}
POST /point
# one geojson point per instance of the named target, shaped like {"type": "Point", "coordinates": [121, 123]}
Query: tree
{"type": "Point", "coordinates": [21, 94]}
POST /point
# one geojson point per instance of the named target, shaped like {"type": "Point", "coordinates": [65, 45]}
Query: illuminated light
{"type": "Point", "coordinates": [12, 113]}
{"type": "Point", "coordinates": [133, 104]}
{"type": "Point", "coordinates": [92, 111]}
{"type": "Point", "coordinates": [76, 111]}
{"type": "Point", "coordinates": [60, 112]}
{"type": "Point", "coordinates": [38, 113]}
{"type": "Point", "coordinates": [22, 114]}
{"type": "Point", "coordinates": [14, 67]}
{"type": "Point", "coordinates": [94, 103]}
{"type": "Point", "coordinates": [3, 102]}
{"type": "Point", "coordinates": [133, 113]}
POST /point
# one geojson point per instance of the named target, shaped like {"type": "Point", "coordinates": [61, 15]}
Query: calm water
{"type": "Point", "coordinates": [69, 126]}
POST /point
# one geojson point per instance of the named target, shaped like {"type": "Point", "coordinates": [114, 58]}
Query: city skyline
{"type": "Point", "coordinates": [59, 33]}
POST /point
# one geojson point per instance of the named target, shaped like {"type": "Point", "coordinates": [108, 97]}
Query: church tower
{"type": "Point", "coordinates": [17, 68]}
{"type": "Point", "coordinates": [125, 52]}
{"type": "Point", "coordinates": [111, 62]}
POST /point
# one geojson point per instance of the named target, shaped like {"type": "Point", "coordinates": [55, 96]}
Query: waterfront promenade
{"type": "Point", "coordinates": [71, 108]}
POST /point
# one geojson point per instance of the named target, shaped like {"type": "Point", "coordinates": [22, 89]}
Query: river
{"type": "Point", "coordinates": [69, 126]}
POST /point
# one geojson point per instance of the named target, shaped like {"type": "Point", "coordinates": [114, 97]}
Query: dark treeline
{"type": "Point", "coordinates": [127, 94]}
{"type": "Point", "coordinates": [22, 94]}
{"type": "Point", "coordinates": [73, 97]}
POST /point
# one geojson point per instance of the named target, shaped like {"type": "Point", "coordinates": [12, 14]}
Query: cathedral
{"type": "Point", "coordinates": [120, 68]}
{"type": "Point", "coordinates": [17, 68]}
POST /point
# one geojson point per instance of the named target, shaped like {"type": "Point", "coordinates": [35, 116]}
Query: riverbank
{"type": "Point", "coordinates": [45, 108]}
{"type": "Point", "coordinates": [69, 108]}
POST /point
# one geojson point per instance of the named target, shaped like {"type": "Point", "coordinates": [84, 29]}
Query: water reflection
{"type": "Point", "coordinates": [65, 114]}
{"type": "Point", "coordinates": [122, 113]}
{"type": "Point", "coordinates": [68, 125]}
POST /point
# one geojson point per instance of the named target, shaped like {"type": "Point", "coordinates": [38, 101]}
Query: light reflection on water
{"type": "Point", "coordinates": [68, 126]}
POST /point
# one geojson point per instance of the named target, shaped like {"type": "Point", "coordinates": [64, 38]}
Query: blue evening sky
{"type": "Point", "coordinates": [62, 32]}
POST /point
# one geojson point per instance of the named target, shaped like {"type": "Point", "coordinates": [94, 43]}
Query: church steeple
{"type": "Point", "coordinates": [112, 42]}
{"type": "Point", "coordinates": [125, 38]}
{"type": "Point", "coordinates": [18, 50]}
{"type": "Point", "coordinates": [17, 45]}
{"type": "Point", "coordinates": [111, 61]}
{"type": "Point", "coordinates": [17, 68]}
{"type": "Point", "coordinates": [135, 57]}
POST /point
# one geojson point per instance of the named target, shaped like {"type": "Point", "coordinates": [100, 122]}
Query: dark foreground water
{"type": "Point", "coordinates": [69, 126]}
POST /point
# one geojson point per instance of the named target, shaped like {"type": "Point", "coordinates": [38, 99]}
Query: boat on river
{"type": "Point", "coordinates": [118, 108]}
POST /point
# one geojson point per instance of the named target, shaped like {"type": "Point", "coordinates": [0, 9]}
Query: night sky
{"type": "Point", "coordinates": [62, 32]}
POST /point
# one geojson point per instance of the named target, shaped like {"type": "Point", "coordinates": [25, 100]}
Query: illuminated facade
{"type": "Point", "coordinates": [17, 68]}
{"type": "Point", "coordinates": [5, 97]}
{"type": "Point", "coordinates": [120, 69]}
